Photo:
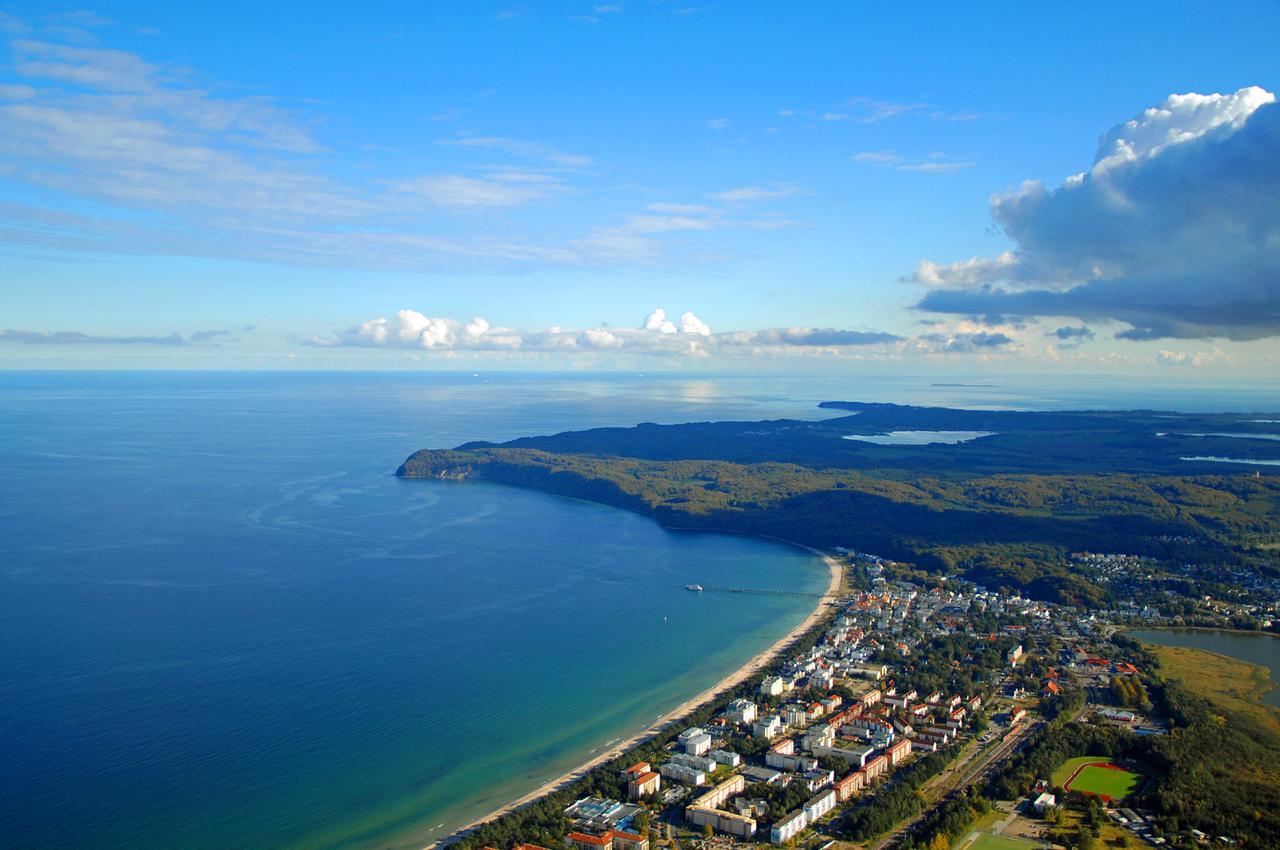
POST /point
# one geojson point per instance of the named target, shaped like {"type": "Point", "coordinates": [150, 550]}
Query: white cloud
{"type": "Point", "coordinates": [934, 162]}
{"type": "Point", "coordinates": [499, 190]}
{"type": "Point", "coordinates": [1174, 230]}
{"type": "Point", "coordinates": [521, 148]}
{"type": "Point", "coordinates": [657, 335]}
{"type": "Point", "coordinates": [718, 123]}
{"type": "Point", "coordinates": [691, 324]}
{"type": "Point", "coordinates": [967, 273]}
{"type": "Point", "coordinates": [657, 321]}
{"type": "Point", "coordinates": [744, 194]}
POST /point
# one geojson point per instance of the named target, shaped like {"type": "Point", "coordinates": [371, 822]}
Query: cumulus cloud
{"type": "Point", "coordinates": [410, 329]}
{"type": "Point", "coordinates": [1173, 230]}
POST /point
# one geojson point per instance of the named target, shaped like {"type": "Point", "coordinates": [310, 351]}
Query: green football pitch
{"type": "Point", "coordinates": [1108, 781]}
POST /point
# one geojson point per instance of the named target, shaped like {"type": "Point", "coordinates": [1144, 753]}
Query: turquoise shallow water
{"type": "Point", "coordinates": [225, 624]}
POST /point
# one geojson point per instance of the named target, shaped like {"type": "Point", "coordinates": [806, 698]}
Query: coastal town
{"type": "Point", "coordinates": [908, 697]}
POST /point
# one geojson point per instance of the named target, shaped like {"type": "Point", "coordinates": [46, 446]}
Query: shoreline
{"type": "Point", "coordinates": [753, 666]}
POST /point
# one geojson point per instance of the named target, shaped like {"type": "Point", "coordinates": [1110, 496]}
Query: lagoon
{"type": "Point", "coordinates": [1260, 649]}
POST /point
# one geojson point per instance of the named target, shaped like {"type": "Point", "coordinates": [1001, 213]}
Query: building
{"type": "Point", "coordinates": [854, 755]}
{"type": "Point", "coordinates": [898, 751]}
{"type": "Point", "coordinates": [695, 741]}
{"type": "Point", "coordinates": [1044, 802]}
{"type": "Point", "coordinates": [684, 775]}
{"type": "Point", "coordinates": [741, 711]}
{"type": "Point", "coordinates": [726, 757]}
{"type": "Point", "coordinates": [773, 686]}
{"type": "Point", "coordinates": [850, 786]}
{"type": "Point", "coordinates": [819, 806]}
{"type": "Point", "coordinates": [789, 827]}
{"type": "Point", "coordinates": [1014, 656]}
{"type": "Point", "coordinates": [708, 809]}
{"type": "Point", "coordinates": [614, 839]}
{"type": "Point", "coordinates": [643, 785]}
{"type": "Point", "coordinates": [753, 773]}
{"type": "Point", "coordinates": [767, 727]}
{"type": "Point", "coordinates": [702, 763]}
{"type": "Point", "coordinates": [634, 771]}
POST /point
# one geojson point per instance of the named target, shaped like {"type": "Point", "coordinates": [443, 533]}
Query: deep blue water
{"type": "Point", "coordinates": [223, 623]}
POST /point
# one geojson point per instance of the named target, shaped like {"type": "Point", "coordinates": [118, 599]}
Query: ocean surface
{"type": "Point", "coordinates": [224, 623]}
{"type": "Point", "coordinates": [1260, 649]}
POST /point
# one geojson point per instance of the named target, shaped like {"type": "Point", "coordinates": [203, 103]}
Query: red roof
{"type": "Point", "coordinates": [598, 840]}
{"type": "Point", "coordinates": [644, 777]}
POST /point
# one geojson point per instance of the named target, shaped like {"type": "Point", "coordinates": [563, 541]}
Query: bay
{"type": "Point", "coordinates": [225, 623]}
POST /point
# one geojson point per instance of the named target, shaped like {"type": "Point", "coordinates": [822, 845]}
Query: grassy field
{"type": "Point", "coordinates": [1105, 782]}
{"type": "Point", "coordinates": [1063, 773]}
{"type": "Point", "coordinates": [1234, 684]}
{"type": "Point", "coordinates": [999, 842]}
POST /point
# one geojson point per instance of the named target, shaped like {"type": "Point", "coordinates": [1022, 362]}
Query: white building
{"type": "Point", "coordinates": [741, 711]}
{"type": "Point", "coordinates": [767, 727]}
{"type": "Point", "coordinates": [695, 741]}
{"type": "Point", "coordinates": [820, 805]}
{"type": "Point", "coordinates": [726, 757]}
{"type": "Point", "coordinates": [773, 686]}
{"type": "Point", "coordinates": [680, 773]}
{"type": "Point", "coordinates": [789, 827]}
{"type": "Point", "coordinates": [702, 763]}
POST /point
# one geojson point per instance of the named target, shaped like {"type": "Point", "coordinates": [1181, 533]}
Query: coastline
{"type": "Point", "coordinates": [753, 666]}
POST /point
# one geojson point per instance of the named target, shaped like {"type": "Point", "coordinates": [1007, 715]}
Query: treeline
{"type": "Point", "coordinates": [897, 799]}
{"type": "Point", "coordinates": [1129, 692]}
{"type": "Point", "coordinates": [1010, 532]}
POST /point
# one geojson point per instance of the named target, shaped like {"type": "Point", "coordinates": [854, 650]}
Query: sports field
{"type": "Point", "coordinates": [1104, 780]}
{"type": "Point", "coordinates": [1096, 775]}
{"type": "Point", "coordinates": [999, 842]}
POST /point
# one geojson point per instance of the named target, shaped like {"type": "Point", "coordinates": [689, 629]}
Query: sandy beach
{"type": "Point", "coordinates": [755, 665]}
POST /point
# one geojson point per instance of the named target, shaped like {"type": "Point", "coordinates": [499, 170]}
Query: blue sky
{"type": "Point", "coordinates": [354, 188]}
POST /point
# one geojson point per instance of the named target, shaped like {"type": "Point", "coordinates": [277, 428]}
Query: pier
{"type": "Point", "coordinates": [710, 588]}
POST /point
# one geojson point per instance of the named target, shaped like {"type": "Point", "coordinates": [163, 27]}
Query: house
{"type": "Point", "coordinates": [644, 785]}
{"type": "Point", "coordinates": [1014, 656]}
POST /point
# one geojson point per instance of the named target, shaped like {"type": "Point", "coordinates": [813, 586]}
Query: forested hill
{"type": "Point", "coordinates": [1145, 442]}
{"type": "Point", "coordinates": [1000, 510]}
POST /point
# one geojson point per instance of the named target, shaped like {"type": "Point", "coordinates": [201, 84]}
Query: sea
{"type": "Point", "coordinates": [224, 623]}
